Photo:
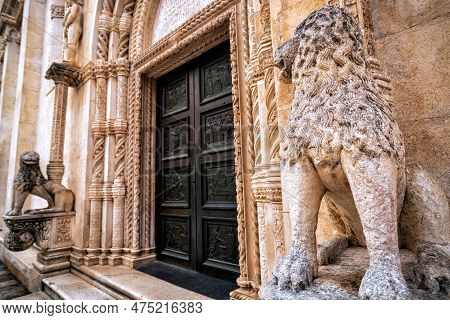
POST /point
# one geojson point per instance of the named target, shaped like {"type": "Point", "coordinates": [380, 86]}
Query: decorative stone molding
{"type": "Point", "coordinates": [163, 59]}
{"type": "Point", "coordinates": [51, 232]}
{"type": "Point", "coordinates": [57, 11]}
{"type": "Point", "coordinates": [87, 72]}
{"type": "Point", "coordinates": [25, 230]}
{"type": "Point", "coordinates": [268, 194]}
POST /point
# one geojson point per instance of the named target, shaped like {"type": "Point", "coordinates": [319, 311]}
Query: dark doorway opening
{"type": "Point", "coordinates": [195, 185]}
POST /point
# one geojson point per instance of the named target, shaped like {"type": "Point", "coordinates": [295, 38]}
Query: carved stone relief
{"type": "Point", "coordinates": [219, 130]}
{"type": "Point", "coordinates": [223, 243]}
{"type": "Point", "coordinates": [176, 235]}
{"type": "Point", "coordinates": [172, 13]}
{"type": "Point", "coordinates": [175, 140]}
{"type": "Point", "coordinates": [221, 184]}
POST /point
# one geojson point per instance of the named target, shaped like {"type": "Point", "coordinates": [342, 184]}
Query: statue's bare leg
{"type": "Point", "coordinates": [298, 268]}
{"type": "Point", "coordinates": [374, 188]}
{"type": "Point", "coordinates": [19, 200]}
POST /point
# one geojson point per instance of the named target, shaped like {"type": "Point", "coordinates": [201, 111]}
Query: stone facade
{"type": "Point", "coordinates": [106, 147]}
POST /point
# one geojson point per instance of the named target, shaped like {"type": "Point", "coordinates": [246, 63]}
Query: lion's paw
{"type": "Point", "coordinates": [295, 271]}
{"type": "Point", "coordinates": [13, 213]}
{"type": "Point", "coordinates": [383, 282]}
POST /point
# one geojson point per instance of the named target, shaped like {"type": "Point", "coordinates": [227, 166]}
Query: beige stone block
{"type": "Point", "coordinates": [417, 61]}
{"type": "Point", "coordinates": [391, 16]}
{"type": "Point", "coordinates": [426, 143]}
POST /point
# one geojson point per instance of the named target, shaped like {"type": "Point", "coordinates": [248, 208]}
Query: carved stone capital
{"type": "Point", "coordinates": [88, 72]}
{"type": "Point", "coordinates": [48, 231]}
{"type": "Point", "coordinates": [99, 128]}
{"type": "Point", "coordinates": [101, 69]}
{"type": "Point", "coordinates": [118, 126]}
{"type": "Point", "coordinates": [68, 74]}
{"type": "Point", "coordinates": [122, 67]}
{"type": "Point", "coordinates": [57, 11]}
{"type": "Point", "coordinates": [100, 191]}
{"type": "Point", "coordinates": [112, 69]}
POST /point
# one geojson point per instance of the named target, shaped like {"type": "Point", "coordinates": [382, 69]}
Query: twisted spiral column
{"type": "Point", "coordinates": [120, 131]}
{"type": "Point", "coordinates": [99, 128]}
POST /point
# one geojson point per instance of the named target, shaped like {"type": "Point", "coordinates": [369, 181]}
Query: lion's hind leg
{"type": "Point", "coordinates": [304, 190]}
{"type": "Point", "coordinates": [373, 182]}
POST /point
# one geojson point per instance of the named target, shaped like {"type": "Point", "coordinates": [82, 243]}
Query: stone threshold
{"type": "Point", "coordinates": [68, 286]}
{"type": "Point", "coordinates": [91, 282]}
{"type": "Point", "coordinates": [134, 284]}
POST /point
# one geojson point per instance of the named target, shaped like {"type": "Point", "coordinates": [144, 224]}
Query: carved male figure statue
{"type": "Point", "coordinates": [341, 139]}
{"type": "Point", "coordinates": [72, 28]}
{"type": "Point", "coordinates": [30, 180]}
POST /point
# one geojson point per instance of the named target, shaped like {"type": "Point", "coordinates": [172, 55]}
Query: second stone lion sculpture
{"type": "Point", "coordinates": [30, 180]}
{"type": "Point", "coordinates": [341, 139]}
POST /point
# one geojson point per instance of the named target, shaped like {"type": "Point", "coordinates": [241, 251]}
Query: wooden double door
{"type": "Point", "coordinates": [196, 188]}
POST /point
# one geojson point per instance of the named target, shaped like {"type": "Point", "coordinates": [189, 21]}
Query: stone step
{"type": "Point", "coordinates": [133, 284]}
{"type": "Point", "coordinates": [41, 295]}
{"type": "Point", "coordinates": [70, 287]}
{"type": "Point", "coordinates": [9, 283]}
{"type": "Point", "coordinates": [10, 287]}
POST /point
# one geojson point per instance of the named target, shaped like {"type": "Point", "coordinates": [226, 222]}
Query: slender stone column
{"type": "Point", "coordinates": [96, 193]}
{"type": "Point", "coordinates": [120, 130]}
{"type": "Point", "coordinates": [64, 76]}
{"type": "Point", "coordinates": [99, 131]}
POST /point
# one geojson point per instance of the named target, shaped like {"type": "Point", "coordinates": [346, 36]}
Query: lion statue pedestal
{"type": "Point", "coordinates": [51, 228]}
{"type": "Point", "coordinates": [342, 145]}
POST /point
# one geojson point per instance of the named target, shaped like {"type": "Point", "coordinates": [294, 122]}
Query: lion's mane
{"type": "Point", "coordinates": [337, 104]}
{"type": "Point", "coordinates": [29, 176]}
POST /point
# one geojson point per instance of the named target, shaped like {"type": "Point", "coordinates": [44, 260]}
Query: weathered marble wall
{"type": "Point", "coordinates": [25, 122]}
{"type": "Point", "coordinates": [51, 51]}
{"type": "Point", "coordinates": [7, 103]}
{"type": "Point", "coordinates": [413, 43]}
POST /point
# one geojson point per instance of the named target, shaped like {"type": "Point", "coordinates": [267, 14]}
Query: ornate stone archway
{"type": "Point", "coordinates": [121, 212]}
{"type": "Point", "coordinates": [212, 25]}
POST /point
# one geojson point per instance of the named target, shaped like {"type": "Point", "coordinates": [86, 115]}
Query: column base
{"type": "Point", "coordinates": [77, 256]}
{"type": "Point", "coordinates": [103, 258]}
{"type": "Point", "coordinates": [134, 262]}
{"type": "Point", "coordinates": [92, 258]}
{"type": "Point", "coordinates": [115, 258]}
{"type": "Point", "coordinates": [53, 260]}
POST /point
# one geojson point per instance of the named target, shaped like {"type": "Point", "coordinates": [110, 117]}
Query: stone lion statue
{"type": "Point", "coordinates": [341, 141]}
{"type": "Point", "coordinates": [30, 180]}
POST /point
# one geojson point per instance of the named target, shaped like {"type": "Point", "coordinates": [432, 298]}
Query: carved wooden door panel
{"type": "Point", "coordinates": [196, 189]}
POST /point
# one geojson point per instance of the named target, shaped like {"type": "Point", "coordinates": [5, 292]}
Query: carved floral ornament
{"type": "Point", "coordinates": [57, 11]}
{"type": "Point", "coordinates": [267, 194]}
